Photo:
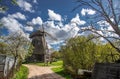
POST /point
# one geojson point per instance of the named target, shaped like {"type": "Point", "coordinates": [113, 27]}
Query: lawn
{"type": "Point", "coordinates": [60, 71]}
{"type": "Point", "coordinates": [57, 63]}
{"type": "Point", "coordinates": [22, 73]}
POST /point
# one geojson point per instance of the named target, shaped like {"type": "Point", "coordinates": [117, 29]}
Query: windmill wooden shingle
{"type": "Point", "coordinates": [39, 43]}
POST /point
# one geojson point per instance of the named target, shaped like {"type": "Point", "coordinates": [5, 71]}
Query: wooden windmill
{"type": "Point", "coordinates": [40, 52]}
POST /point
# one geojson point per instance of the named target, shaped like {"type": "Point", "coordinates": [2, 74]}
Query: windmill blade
{"type": "Point", "coordinates": [29, 24]}
{"type": "Point", "coordinates": [32, 25]}
{"type": "Point", "coordinates": [51, 36]}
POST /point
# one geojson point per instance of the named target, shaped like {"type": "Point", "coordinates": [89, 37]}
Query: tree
{"type": "Point", "coordinates": [17, 46]}
{"type": "Point", "coordinates": [4, 7]}
{"type": "Point", "coordinates": [107, 11]}
{"type": "Point", "coordinates": [55, 56]}
{"type": "Point", "coordinates": [79, 53]}
{"type": "Point", "coordinates": [3, 47]}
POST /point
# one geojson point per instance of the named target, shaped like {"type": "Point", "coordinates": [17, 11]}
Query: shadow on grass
{"type": "Point", "coordinates": [47, 76]}
{"type": "Point", "coordinates": [60, 71]}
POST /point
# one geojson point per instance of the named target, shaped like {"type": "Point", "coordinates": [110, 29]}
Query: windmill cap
{"type": "Point", "coordinates": [36, 33]}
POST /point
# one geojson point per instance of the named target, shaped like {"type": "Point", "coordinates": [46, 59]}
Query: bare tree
{"type": "Point", "coordinates": [107, 11]}
{"type": "Point", "coordinates": [4, 7]}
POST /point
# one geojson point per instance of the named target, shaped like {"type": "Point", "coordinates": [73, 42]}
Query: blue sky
{"type": "Point", "coordinates": [55, 15]}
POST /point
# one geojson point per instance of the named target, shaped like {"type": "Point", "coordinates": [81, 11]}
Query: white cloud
{"type": "Point", "coordinates": [63, 33]}
{"type": "Point", "coordinates": [107, 28]}
{"type": "Point", "coordinates": [25, 5]}
{"type": "Point", "coordinates": [87, 11]}
{"type": "Point", "coordinates": [77, 20]}
{"type": "Point", "coordinates": [13, 26]}
{"type": "Point", "coordinates": [100, 32]}
{"type": "Point", "coordinates": [37, 20]}
{"type": "Point", "coordinates": [34, 1]}
{"type": "Point", "coordinates": [54, 16]}
{"type": "Point", "coordinates": [18, 15]}
{"type": "Point", "coordinates": [104, 25]}
{"type": "Point", "coordinates": [28, 28]}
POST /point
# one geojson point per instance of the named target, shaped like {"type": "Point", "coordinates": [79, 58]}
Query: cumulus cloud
{"type": "Point", "coordinates": [61, 33]}
{"type": "Point", "coordinates": [104, 25]}
{"type": "Point", "coordinates": [106, 28]}
{"type": "Point", "coordinates": [37, 20]}
{"type": "Point", "coordinates": [77, 20]}
{"type": "Point", "coordinates": [87, 11]}
{"type": "Point", "coordinates": [13, 25]}
{"type": "Point", "coordinates": [18, 15]}
{"type": "Point", "coordinates": [54, 16]}
{"type": "Point", "coordinates": [25, 5]}
{"type": "Point", "coordinates": [28, 28]}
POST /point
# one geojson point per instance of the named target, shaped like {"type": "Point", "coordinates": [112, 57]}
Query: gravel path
{"type": "Point", "coordinates": [37, 72]}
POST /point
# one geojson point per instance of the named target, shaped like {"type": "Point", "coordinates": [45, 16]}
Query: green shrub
{"type": "Point", "coordinates": [79, 53]}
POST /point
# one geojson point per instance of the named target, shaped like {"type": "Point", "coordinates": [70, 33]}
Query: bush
{"type": "Point", "coordinates": [55, 56]}
{"type": "Point", "coordinates": [22, 73]}
{"type": "Point", "coordinates": [79, 53]}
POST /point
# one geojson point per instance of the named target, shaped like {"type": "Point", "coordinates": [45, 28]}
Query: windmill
{"type": "Point", "coordinates": [40, 52]}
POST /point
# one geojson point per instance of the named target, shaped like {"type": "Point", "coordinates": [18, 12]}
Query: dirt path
{"type": "Point", "coordinates": [37, 72]}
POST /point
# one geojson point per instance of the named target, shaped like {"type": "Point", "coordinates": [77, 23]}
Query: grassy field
{"type": "Point", "coordinates": [57, 63]}
{"type": "Point", "coordinates": [22, 73]}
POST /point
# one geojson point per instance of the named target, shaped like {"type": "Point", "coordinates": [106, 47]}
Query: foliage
{"type": "Point", "coordinates": [60, 71]}
{"type": "Point", "coordinates": [55, 56]}
{"type": "Point", "coordinates": [28, 53]}
{"type": "Point", "coordinates": [22, 73]}
{"type": "Point", "coordinates": [79, 53]}
{"type": "Point", "coordinates": [30, 49]}
{"type": "Point", "coordinates": [17, 46]}
{"type": "Point", "coordinates": [3, 47]}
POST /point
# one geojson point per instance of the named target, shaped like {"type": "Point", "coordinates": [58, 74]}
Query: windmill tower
{"type": "Point", "coordinates": [40, 51]}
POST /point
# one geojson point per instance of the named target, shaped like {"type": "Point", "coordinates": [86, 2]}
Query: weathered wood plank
{"type": "Point", "coordinates": [106, 71]}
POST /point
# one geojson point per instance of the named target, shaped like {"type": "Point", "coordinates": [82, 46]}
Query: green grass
{"type": "Point", "coordinates": [57, 63]}
{"type": "Point", "coordinates": [60, 71]}
{"type": "Point", "coordinates": [22, 73]}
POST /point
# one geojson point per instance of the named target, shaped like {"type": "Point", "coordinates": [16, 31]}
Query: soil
{"type": "Point", "coordinates": [37, 72]}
